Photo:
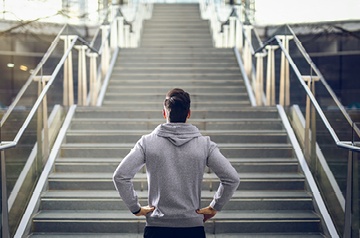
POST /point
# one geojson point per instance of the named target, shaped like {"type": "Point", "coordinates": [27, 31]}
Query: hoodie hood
{"type": "Point", "coordinates": [177, 133]}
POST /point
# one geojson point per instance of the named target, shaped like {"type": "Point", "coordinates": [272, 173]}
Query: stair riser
{"type": "Point", "coordinates": [158, 90]}
{"type": "Point", "coordinates": [187, 83]}
{"type": "Point", "coordinates": [260, 152]}
{"type": "Point", "coordinates": [110, 168]}
{"type": "Point", "coordinates": [190, 52]}
{"type": "Point", "coordinates": [117, 204]}
{"type": "Point", "coordinates": [296, 184]}
{"type": "Point", "coordinates": [252, 115]}
{"type": "Point", "coordinates": [246, 138]}
{"type": "Point", "coordinates": [203, 126]}
{"type": "Point", "coordinates": [217, 227]}
{"type": "Point", "coordinates": [220, 71]}
{"type": "Point", "coordinates": [259, 226]}
{"type": "Point", "coordinates": [195, 99]}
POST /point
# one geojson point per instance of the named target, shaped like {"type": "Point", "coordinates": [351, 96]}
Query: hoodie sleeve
{"type": "Point", "coordinates": [229, 178]}
{"type": "Point", "coordinates": [124, 174]}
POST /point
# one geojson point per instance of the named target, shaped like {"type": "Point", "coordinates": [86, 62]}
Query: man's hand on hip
{"type": "Point", "coordinates": [208, 212]}
{"type": "Point", "coordinates": [145, 210]}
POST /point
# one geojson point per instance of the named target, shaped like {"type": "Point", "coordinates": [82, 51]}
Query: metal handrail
{"type": "Point", "coordinates": [339, 143]}
{"type": "Point", "coordinates": [31, 78]}
{"type": "Point", "coordinates": [243, 44]}
{"type": "Point", "coordinates": [110, 35]}
{"type": "Point", "coordinates": [39, 100]}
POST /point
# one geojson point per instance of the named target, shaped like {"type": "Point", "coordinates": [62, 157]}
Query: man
{"type": "Point", "coordinates": [175, 155]}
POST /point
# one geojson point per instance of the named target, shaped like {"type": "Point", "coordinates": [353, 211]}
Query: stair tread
{"type": "Point", "coordinates": [232, 160]}
{"type": "Point", "coordinates": [91, 132]}
{"type": "Point", "coordinates": [131, 145]}
{"type": "Point", "coordinates": [71, 216]}
{"type": "Point", "coordinates": [107, 194]}
{"type": "Point", "coordinates": [137, 235]}
{"type": "Point", "coordinates": [142, 176]}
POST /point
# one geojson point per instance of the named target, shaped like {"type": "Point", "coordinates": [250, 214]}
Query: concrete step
{"type": "Point", "coordinates": [242, 165]}
{"type": "Point", "coordinates": [128, 136]}
{"type": "Point", "coordinates": [136, 235]}
{"type": "Point", "coordinates": [229, 150]}
{"type": "Point", "coordinates": [177, 52]}
{"type": "Point", "coordinates": [155, 105]}
{"type": "Point", "coordinates": [259, 125]}
{"type": "Point", "coordinates": [159, 98]}
{"type": "Point", "coordinates": [136, 87]}
{"type": "Point", "coordinates": [167, 80]}
{"type": "Point", "coordinates": [250, 181]}
{"type": "Point", "coordinates": [249, 113]}
{"type": "Point", "coordinates": [125, 222]}
{"type": "Point", "coordinates": [168, 61]}
{"type": "Point", "coordinates": [110, 200]}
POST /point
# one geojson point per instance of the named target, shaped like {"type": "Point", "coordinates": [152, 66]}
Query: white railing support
{"type": "Point", "coordinates": [239, 35]}
{"type": "Point", "coordinates": [114, 35]}
{"type": "Point", "coordinates": [284, 96]}
{"type": "Point", "coordinates": [105, 56]}
{"type": "Point", "coordinates": [259, 78]}
{"type": "Point", "coordinates": [127, 36]}
{"type": "Point", "coordinates": [82, 75]}
{"type": "Point", "coordinates": [68, 97]}
{"type": "Point", "coordinates": [247, 55]}
{"type": "Point", "coordinates": [43, 126]}
{"type": "Point", "coordinates": [93, 79]}
{"type": "Point", "coordinates": [270, 75]}
{"type": "Point", "coordinates": [225, 36]}
{"type": "Point", "coordinates": [120, 26]}
{"type": "Point", "coordinates": [232, 31]}
{"type": "Point", "coordinates": [310, 120]}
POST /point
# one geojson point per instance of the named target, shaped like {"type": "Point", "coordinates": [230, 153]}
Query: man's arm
{"type": "Point", "coordinates": [229, 178]}
{"type": "Point", "coordinates": [124, 174]}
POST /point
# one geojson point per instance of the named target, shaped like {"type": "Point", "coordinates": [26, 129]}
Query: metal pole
{"type": "Point", "coordinates": [93, 79]}
{"type": "Point", "coordinates": [349, 195]}
{"type": "Point", "coordinates": [284, 96]}
{"type": "Point", "coordinates": [4, 201]}
{"type": "Point", "coordinates": [120, 32]}
{"type": "Point", "coordinates": [270, 75]}
{"type": "Point", "coordinates": [259, 78]}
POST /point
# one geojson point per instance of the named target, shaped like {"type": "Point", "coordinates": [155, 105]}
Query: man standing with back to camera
{"type": "Point", "coordinates": [175, 155]}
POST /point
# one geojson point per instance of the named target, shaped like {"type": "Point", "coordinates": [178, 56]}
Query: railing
{"type": "Point", "coordinates": [30, 125]}
{"type": "Point", "coordinates": [329, 138]}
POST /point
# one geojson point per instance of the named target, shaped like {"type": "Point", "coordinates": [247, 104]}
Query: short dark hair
{"type": "Point", "coordinates": [177, 104]}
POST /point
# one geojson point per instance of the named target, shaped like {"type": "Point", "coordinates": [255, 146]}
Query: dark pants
{"type": "Point", "coordinates": [174, 232]}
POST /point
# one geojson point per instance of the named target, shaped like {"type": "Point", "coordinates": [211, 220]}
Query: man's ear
{"type": "Point", "coordinates": [164, 113]}
{"type": "Point", "coordinates": [189, 114]}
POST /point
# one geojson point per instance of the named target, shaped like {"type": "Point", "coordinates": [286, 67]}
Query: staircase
{"type": "Point", "coordinates": [176, 51]}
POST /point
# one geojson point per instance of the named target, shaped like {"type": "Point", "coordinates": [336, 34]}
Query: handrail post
{"type": "Point", "coordinates": [284, 96]}
{"type": "Point", "coordinates": [225, 41]}
{"type": "Point", "coordinates": [239, 35]}
{"type": "Point", "coordinates": [5, 233]}
{"type": "Point", "coordinates": [82, 82]}
{"type": "Point", "coordinates": [42, 126]}
{"type": "Point", "coordinates": [270, 75]}
{"type": "Point", "coordinates": [105, 54]}
{"type": "Point", "coordinates": [114, 35]}
{"type": "Point", "coordinates": [247, 51]}
{"type": "Point", "coordinates": [120, 31]}
{"type": "Point", "coordinates": [127, 36]}
{"type": "Point", "coordinates": [93, 79]}
{"type": "Point", "coordinates": [232, 31]}
{"type": "Point", "coordinates": [259, 78]}
{"type": "Point", "coordinates": [310, 124]}
{"type": "Point", "coordinates": [68, 97]}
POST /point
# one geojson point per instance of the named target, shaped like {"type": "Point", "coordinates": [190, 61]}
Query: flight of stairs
{"type": "Point", "coordinates": [176, 51]}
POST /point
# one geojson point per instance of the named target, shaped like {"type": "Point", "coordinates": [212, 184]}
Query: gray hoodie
{"type": "Point", "coordinates": [175, 155]}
